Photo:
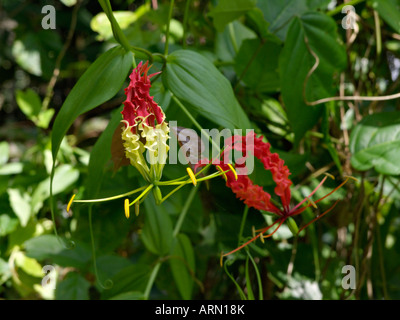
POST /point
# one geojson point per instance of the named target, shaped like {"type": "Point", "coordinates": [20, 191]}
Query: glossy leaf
{"type": "Point", "coordinates": [375, 143]}
{"type": "Point", "coordinates": [296, 61]}
{"type": "Point", "coordinates": [229, 10]}
{"type": "Point", "coordinates": [73, 287]}
{"type": "Point", "coordinates": [195, 80]}
{"type": "Point", "coordinates": [182, 264]}
{"type": "Point", "coordinates": [110, 71]}
{"type": "Point", "coordinates": [157, 230]}
{"type": "Point", "coordinates": [257, 65]}
{"type": "Point", "coordinates": [389, 10]}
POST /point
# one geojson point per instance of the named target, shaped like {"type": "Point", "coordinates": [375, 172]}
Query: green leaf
{"type": "Point", "coordinates": [101, 24]}
{"type": "Point", "coordinates": [229, 10]}
{"type": "Point", "coordinates": [20, 203]}
{"type": "Point", "coordinates": [100, 155]}
{"type": "Point", "coordinates": [194, 79]}
{"type": "Point", "coordinates": [5, 271]}
{"type": "Point", "coordinates": [375, 143]}
{"type": "Point", "coordinates": [29, 102]}
{"type": "Point", "coordinates": [48, 246]}
{"type": "Point", "coordinates": [279, 13]}
{"type": "Point", "coordinates": [296, 61]}
{"type": "Point", "coordinates": [74, 287]}
{"type": "Point", "coordinates": [157, 230]}
{"type": "Point", "coordinates": [101, 81]}
{"type": "Point", "coordinates": [65, 175]}
{"type": "Point", "coordinates": [4, 152]}
{"type": "Point", "coordinates": [258, 63]}
{"type": "Point", "coordinates": [182, 264]}
{"type": "Point", "coordinates": [389, 10]}
{"type": "Point", "coordinates": [132, 278]}
{"type": "Point", "coordinates": [44, 118]}
{"type": "Point", "coordinates": [7, 224]}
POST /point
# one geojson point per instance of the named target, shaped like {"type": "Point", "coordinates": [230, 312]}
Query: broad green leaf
{"type": "Point", "coordinates": [20, 203]}
{"type": "Point", "coordinates": [258, 63]}
{"type": "Point", "coordinates": [29, 265]}
{"type": "Point", "coordinates": [49, 247]}
{"type": "Point", "coordinates": [101, 81]}
{"type": "Point", "coordinates": [157, 230]}
{"type": "Point", "coordinates": [44, 118]}
{"type": "Point", "coordinates": [4, 152]}
{"type": "Point", "coordinates": [389, 10]}
{"type": "Point", "coordinates": [7, 224]}
{"type": "Point", "coordinates": [229, 10]}
{"type": "Point", "coordinates": [73, 287]}
{"type": "Point", "coordinates": [29, 102]}
{"type": "Point", "coordinates": [296, 61]}
{"type": "Point", "coordinates": [132, 278]}
{"type": "Point", "coordinates": [131, 295]}
{"type": "Point", "coordinates": [5, 271]}
{"type": "Point", "coordinates": [102, 26]}
{"type": "Point", "coordinates": [375, 143]}
{"type": "Point", "coordinates": [69, 3]}
{"type": "Point", "coordinates": [195, 80]}
{"type": "Point", "coordinates": [182, 264]}
{"type": "Point", "coordinates": [100, 155]}
{"type": "Point", "coordinates": [279, 13]}
{"type": "Point", "coordinates": [65, 175]}
{"type": "Point", "coordinates": [11, 168]}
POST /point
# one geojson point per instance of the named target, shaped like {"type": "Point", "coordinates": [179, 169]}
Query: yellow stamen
{"type": "Point", "coordinates": [233, 170]}
{"type": "Point", "coordinates": [221, 258]}
{"type": "Point", "coordinates": [312, 203]}
{"type": "Point", "coordinates": [220, 170]}
{"type": "Point", "coordinates": [137, 208]}
{"type": "Point", "coordinates": [262, 238]}
{"type": "Point", "coordinates": [70, 202]}
{"type": "Point", "coordinates": [126, 207]}
{"type": "Point", "coordinates": [352, 178]}
{"type": "Point", "coordinates": [191, 175]}
{"type": "Point", "coordinates": [253, 231]}
{"type": "Point", "coordinates": [329, 175]}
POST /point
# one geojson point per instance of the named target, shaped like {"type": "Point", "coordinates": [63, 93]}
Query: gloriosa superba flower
{"type": "Point", "coordinates": [254, 196]}
{"type": "Point", "coordinates": [145, 130]}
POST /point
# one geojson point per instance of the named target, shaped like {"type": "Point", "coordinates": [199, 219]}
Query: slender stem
{"type": "Point", "coordinates": [108, 284]}
{"type": "Point", "coordinates": [171, 9]}
{"type": "Point", "coordinates": [184, 211]}
{"type": "Point", "coordinates": [338, 9]}
{"type": "Point", "coordinates": [152, 278]}
{"type": "Point", "coordinates": [56, 71]}
{"type": "Point", "coordinates": [185, 18]}
{"type": "Point", "coordinates": [114, 197]}
{"type": "Point", "coordinates": [378, 35]}
{"type": "Point", "coordinates": [232, 36]}
{"type": "Point", "coordinates": [188, 114]}
{"type": "Point", "coordinates": [246, 210]}
{"type": "Point", "coordinates": [142, 194]}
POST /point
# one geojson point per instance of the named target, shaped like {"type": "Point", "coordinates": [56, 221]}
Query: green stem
{"type": "Point", "coordinates": [142, 194]}
{"type": "Point", "coordinates": [185, 18]}
{"type": "Point", "coordinates": [184, 211]}
{"type": "Point", "coordinates": [246, 210]}
{"type": "Point", "coordinates": [171, 9]}
{"type": "Point", "coordinates": [108, 284]}
{"type": "Point", "coordinates": [232, 36]}
{"type": "Point", "coordinates": [152, 278]}
{"type": "Point", "coordinates": [112, 198]}
{"type": "Point", "coordinates": [188, 114]}
{"type": "Point", "coordinates": [338, 9]}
